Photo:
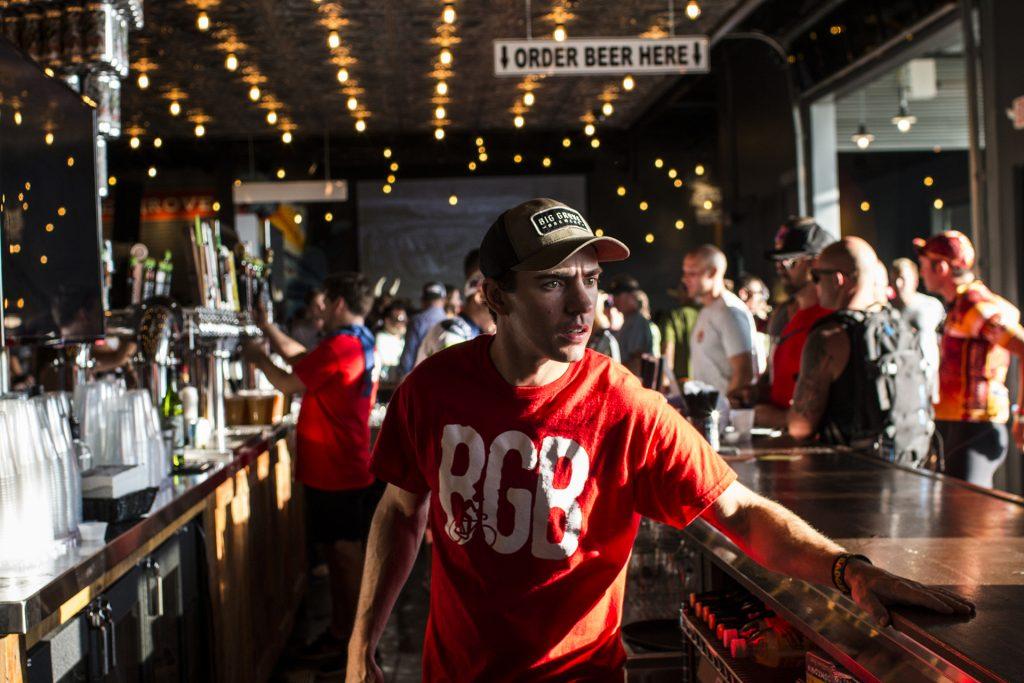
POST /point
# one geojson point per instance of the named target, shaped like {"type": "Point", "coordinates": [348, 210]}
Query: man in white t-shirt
{"type": "Point", "coordinates": [722, 344]}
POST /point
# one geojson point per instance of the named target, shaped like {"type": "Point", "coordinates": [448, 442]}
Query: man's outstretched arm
{"type": "Point", "coordinates": [779, 540]}
{"type": "Point", "coordinates": [394, 541]}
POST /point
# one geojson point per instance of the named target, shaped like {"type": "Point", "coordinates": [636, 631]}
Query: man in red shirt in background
{"type": "Point", "coordinates": [532, 458]}
{"type": "Point", "coordinates": [338, 380]}
{"type": "Point", "coordinates": [797, 243]}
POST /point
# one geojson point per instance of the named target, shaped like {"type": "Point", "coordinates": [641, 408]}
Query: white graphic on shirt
{"type": "Point", "coordinates": [461, 525]}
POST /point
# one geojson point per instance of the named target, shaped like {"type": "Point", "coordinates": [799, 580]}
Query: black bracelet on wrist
{"type": "Point", "coordinates": [839, 570]}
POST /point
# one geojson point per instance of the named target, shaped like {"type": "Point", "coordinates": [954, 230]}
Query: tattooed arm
{"type": "Point", "coordinates": [825, 354]}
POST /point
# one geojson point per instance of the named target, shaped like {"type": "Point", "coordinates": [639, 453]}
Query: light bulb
{"type": "Point", "coordinates": [607, 108]}
{"type": "Point", "coordinates": [298, 219]}
{"type": "Point", "coordinates": [394, 167]}
{"type": "Point", "coordinates": [333, 40]}
{"type": "Point", "coordinates": [938, 203]}
{"type": "Point", "coordinates": [483, 156]}
{"type": "Point", "coordinates": [472, 166]}
{"type": "Point", "coordinates": [680, 224]}
{"type": "Point", "coordinates": [865, 206]}
{"type": "Point", "coordinates": [175, 108]}
{"type": "Point", "coordinates": [387, 152]}
{"type": "Point", "coordinates": [391, 179]}
{"type": "Point", "coordinates": [904, 122]}
{"type": "Point", "coordinates": [360, 125]}
{"type": "Point", "coordinates": [672, 173]}
{"type": "Point", "coordinates": [620, 190]}
{"type": "Point", "coordinates": [699, 169]}
{"type": "Point", "coordinates": [48, 138]}
{"type": "Point", "coordinates": [143, 81]}
{"type": "Point", "coordinates": [271, 117]}
{"type": "Point", "coordinates": [134, 142]}
{"type": "Point", "coordinates": [659, 162]}
{"type": "Point", "coordinates": [203, 21]}
{"type": "Point", "coordinates": [453, 200]}
{"type": "Point", "coordinates": [518, 121]}
{"type": "Point", "coordinates": [151, 172]}
{"type": "Point", "coordinates": [158, 142]}
{"type": "Point", "coordinates": [649, 238]}
{"type": "Point", "coordinates": [929, 181]}
{"type": "Point", "coordinates": [448, 14]}
{"type": "Point", "coordinates": [254, 93]}
{"type": "Point", "coordinates": [286, 137]}
{"type": "Point", "coordinates": [628, 83]}
{"type": "Point", "coordinates": [479, 142]}
{"type": "Point", "coordinates": [518, 158]}
{"type": "Point", "coordinates": [352, 104]}
{"type": "Point", "coordinates": [529, 98]}
{"type": "Point", "coordinates": [439, 133]}
{"type": "Point", "coordinates": [446, 56]}
{"type": "Point", "coordinates": [231, 62]}
{"type": "Point", "coordinates": [386, 189]}
{"type": "Point", "coordinates": [862, 138]}
{"type": "Point", "coordinates": [677, 182]}
{"type": "Point", "coordinates": [442, 88]}
{"type": "Point", "coordinates": [342, 75]}
{"type": "Point", "coordinates": [328, 216]}
{"type": "Point", "coordinates": [17, 118]}
{"type": "Point", "coordinates": [439, 113]}
{"type": "Point", "coordinates": [643, 206]}
{"type": "Point", "coordinates": [595, 143]}
{"type": "Point", "coordinates": [589, 129]}
{"type": "Point", "coordinates": [692, 10]}
{"type": "Point", "coordinates": [566, 142]}
{"type": "Point", "coordinates": [559, 33]}
{"type": "Point", "coordinates": [708, 204]}
{"type": "Point", "coordinates": [546, 162]}
{"type": "Point", "coordinates": [200, 130]}
{"type": "Point", "coordinates": [280, 174]}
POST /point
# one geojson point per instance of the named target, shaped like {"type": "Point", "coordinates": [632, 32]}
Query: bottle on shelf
{"type": "Point", "coordinates": [172, 411]}
{"type": "Point", "coordinates": [775, 644]}
{"type": "Point", "coordinates": [149, 279]}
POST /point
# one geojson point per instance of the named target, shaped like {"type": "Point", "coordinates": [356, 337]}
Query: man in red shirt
{"type": "Point", "coordinates": [532, 458]}
{"type": "Point", "coordinates": [797, 243]}
{"type": "Point", "coordinates": [338, 380]}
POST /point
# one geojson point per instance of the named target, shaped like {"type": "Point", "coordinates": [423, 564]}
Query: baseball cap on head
{"type": "Point", "coordinates": [434, 290]}
{"type": "Point", "coordinates": [799, 237]}
{"type": "Point", "coordinates": [951, 245]}
{"type": "Point", "coordinates": [540, 234]}
{"type": "Point", "coordinates": [623, 284]}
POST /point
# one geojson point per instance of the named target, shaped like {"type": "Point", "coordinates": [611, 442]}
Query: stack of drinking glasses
{"type": "Point", "coordinates": [58, 443]}
{"type": "Point", "coordinates": [27, 485]}
{"type": "Point", "coordinates": [94, 410]}
{"type": "Point", "coordinates": [135, 436]}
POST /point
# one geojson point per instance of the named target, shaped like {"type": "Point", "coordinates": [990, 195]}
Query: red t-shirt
{"type": "Point", "coordinates": [333, 432]}
{"type": "Point", "coordinates": [786, 358]}
{"type": "Point", "coordinates": [536, 496]}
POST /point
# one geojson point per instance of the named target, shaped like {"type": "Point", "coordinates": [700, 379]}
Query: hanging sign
{"type": "Point", "coordinates": [602, 56]}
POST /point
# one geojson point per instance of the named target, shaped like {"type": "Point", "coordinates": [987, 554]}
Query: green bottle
{"type": "Point", "coordinates": [173, 415]}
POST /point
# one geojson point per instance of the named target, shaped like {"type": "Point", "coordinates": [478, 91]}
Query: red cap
{"type": "Point", "coordinates": [951, 245]}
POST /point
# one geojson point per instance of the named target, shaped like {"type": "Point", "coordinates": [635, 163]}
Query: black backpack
{"type": "Point", "coordinates": [882, 401]}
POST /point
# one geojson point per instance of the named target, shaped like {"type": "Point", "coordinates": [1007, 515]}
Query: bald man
{"type": "Point", "coordinates": [838, 394]}
{"type": "Point", "coordinates": [722, 344]}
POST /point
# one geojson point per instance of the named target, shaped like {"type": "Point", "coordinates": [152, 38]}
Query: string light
{"type": "Point", "coordinates": [708, 204]}
{"type": "Point", "coordinates": [254, 93]}
{"type": "Point", "coordinates": [482, 157]}
{"type": "Point", "coordinates": [387, 152]}
{"type": "Point", "coordinates": [151, 172]}
{"type": "Point", "coordinates": [680, 224]}
{"type": "Point", "coordinates": [559, 33]}
{"type": "Point", "coordinates": [589, 129]}
{"type": "Point", "coordinates": [518, 121]}
{"type": "Point", "coordinates": [394, 167]}
{"type": "Point", "coordinates": [472, 166]}
{"type": "Point", "coordinates": [342, 75]}
{"type": "Point", "coordinates": [566, 142]}
{"type": "Point", "coordinates": [203, 21]}
{"type": "Point", "coordinates": [386, 189]}
{"type": "Point", "coordinates": [286, 137]}
{"type": "Point", "coordinates": [479, 142]}
{"type": "Point", "coordinates": [518, 158]}
{"type": "Point", "coordinates": [143, 81]}
{"type": "Point", "coordinates": [699, 169]}
{"type": "Point", "coordinates": [17, 118]}
{"type": "Point", "coordinates": [158, 142]}
{"type": "Point", "coordinates": [643, 206]}
{"type": "Point", "coordinates": [446, 56]}
{"type": "Point", "coordinates": [112, 180]}
{"type": "Point", "coordinates": [48, 138]}
{"type": "Point", "coordinates": [938, 203]}
{"type": "Point", "coordinates": [620, 190]}
{"type": "Point", "coordinates": [677, 182]}
{"type": "Point", "coordinates": [599, 232]}
{"type": "Point", "coordinates": [200, 130]}
{"type": "Point", "coordinates": [328, 216]}
{"type": "Point", "coordinates": [659, 162]}
{"type": "Point", "coordinates": [607, 108]}
{"type": "Point", "coordinates": [391, 179]}
{"type": "Point", "coordinates": [280, 174]}
{"type": "Point", "coordinates": [215, 206]}
{"type": "Point", "coordinates": [134, 142]}
{"type": "Point", "coordinates": [360, 125]}
{"type": "Point", "coordinates": [333, 40]}
{"type": "Point", "coordinates": [439, 133]}
{"type": "Point", "coordinates": [529, 98]}
{"type": "Point", "coordinates": [448, 14]}
{"type": "Point", "coordinates": [928, 181]}
{"type": "Point", "coordinates": [231, 62]}
{"type": "Point", "coordinates": [439, 113]}
{"type": "Point", "coordinates": [546, 162]}
{"type": "Point", "coordinates": [692, 10]}
{"type": "Point", "coordinates": [628, 83]}
{"type": "Point", "coordinates": [442, 88]}
{"type": "Point", "coordinates": [453, 200]}
{"type": "Point", "coordinates": [271, 117]}
{"type": "Point", "coordinates": [865, 206]}
{"type": "Point", "coordinates": [298, 219]}
{"type": "Point", "coordinates": [672, 173]}
{"type": "Point", "coordinates": [649, 238]}
{"type": "Point", "coordinates": [352, 104]}
{"type": "Point", "coordinates": [595, 143]}
{"type": "Point", "coordinates": [174, 108]}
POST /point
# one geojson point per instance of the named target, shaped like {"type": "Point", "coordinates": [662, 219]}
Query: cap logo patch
{"type": "Point", "coordinates": [549, 220]}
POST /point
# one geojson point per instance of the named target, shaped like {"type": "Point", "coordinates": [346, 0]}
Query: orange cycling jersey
{"type": "Point", "coordinates": [973, 364]}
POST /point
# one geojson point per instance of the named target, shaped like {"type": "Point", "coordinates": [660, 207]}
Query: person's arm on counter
{"type": "Point", "coordinates": [825, 354]}
{"type": "Point", "coordinates": [282, 380]}
{"type": "Point", "coordinates": [781, 541]}
{"type": "Point", "coordinates": [395, 536]}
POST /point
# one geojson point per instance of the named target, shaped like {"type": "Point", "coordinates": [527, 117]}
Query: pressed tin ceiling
{"type": "Point", "coordinates": [391, 51]}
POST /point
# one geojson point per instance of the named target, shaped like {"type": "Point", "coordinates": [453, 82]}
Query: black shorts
{"type": "Point", "coordinates": [341, 515]}
{"type": "Point", "coordinates": [973, 450]}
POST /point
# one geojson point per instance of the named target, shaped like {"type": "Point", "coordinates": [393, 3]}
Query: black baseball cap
{"type": "Point", "coordinates": [797, 237]}
{"type": "Point", "coordinates": [540, 234]}
{"type": "Point", "coordinates": [623, 284]}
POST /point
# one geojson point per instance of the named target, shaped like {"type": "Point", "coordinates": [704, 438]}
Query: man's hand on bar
{"type": "Point", "coordinates": [876, 590]}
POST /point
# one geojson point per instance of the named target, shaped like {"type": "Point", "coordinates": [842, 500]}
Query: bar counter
{"type": "Point", "coordinates": [924, 526]}
{"type": "Point", "coordinates": [253, 538]}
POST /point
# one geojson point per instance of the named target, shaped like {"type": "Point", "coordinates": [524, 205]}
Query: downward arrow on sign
{"type": "Point", "coordinates": [697, 54]}
{"type": "Point", "coordinates": [504, 57]}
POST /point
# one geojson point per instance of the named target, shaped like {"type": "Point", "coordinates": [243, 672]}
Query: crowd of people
{"type": "Point", "coordinates": [850, 354]}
